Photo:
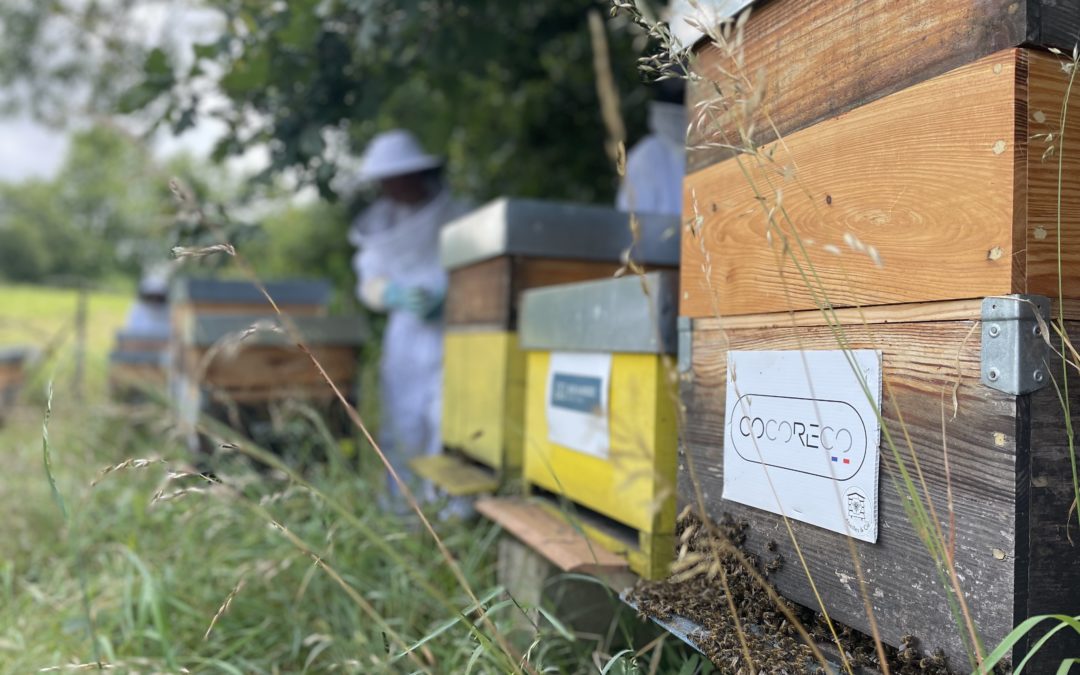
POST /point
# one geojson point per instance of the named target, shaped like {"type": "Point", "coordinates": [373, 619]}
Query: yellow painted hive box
{"type": "Point", "coordinates": [493, 255]}
{"type": "Point", "coordinates": [600, 411]}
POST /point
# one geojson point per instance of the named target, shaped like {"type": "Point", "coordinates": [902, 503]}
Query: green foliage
{"type": "Point", "coordinates": [24, 250]}
{"type": "Point", "coordinates": [505, 89]}
{"type": "Point", "coordinates": [44, 317]}
{"type": "Point", "coordinates": [92, 220]}
{"type": "Point", "coordinates": [159, 572]}
{"type": "Point", "coordinates": [306, 240]}
{"type": "Point", "coordinates": [66, 58]}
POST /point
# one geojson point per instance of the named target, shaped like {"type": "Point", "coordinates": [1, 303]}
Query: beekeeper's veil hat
{"type": "Point", "coordinates": [395, 153]}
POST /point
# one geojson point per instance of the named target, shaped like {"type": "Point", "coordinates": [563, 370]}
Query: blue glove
{"type": "Point", "coordinates": [428, 304]}
{"type": "Point", "coordinates": [396, 297]}
{"type": "Point", "coordinates": [422, 302]}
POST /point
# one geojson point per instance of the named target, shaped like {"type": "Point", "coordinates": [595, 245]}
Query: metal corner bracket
{"type": "Point", "coordinates": [1014, 349]}
{"type": "Point", "coordinates": [686, 344]}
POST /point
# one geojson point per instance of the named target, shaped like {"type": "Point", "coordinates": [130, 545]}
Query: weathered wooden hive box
{"type": "Point", "coordinates": [229, 349]}
{"type": "Point", "coordinates": [493, 255]}
{"type": "Point", "coordinates": [913, 192]}
{"type": "Point", "coordinates": [298, 297]}
{"type": "Point", "coordinates": [254, 359]}
{"type": "Point", "coordinates": [12, 375]}
{"type": "Point", "coordinates": [137, 363]}
{"type": "Point", "coordinates": [600, 409]}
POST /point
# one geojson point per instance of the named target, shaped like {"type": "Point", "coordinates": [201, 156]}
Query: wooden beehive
{"type": "Point", "coordinates": [239, 367]}
{"type": "Point", "coordinates": [12, 375]}
{"type": "Point", "coordinates": [138, 364]}
{"type": "Point", "coordinates": [230, 352]}
{"type": "Point", "coordinates": [296, 297]}
{"type": "Point", "coordinates": [915, 192]}
{"type": "Point", "coordinates": [600, 409]}
{"type": "Point", "coordinates": [253, 358]}
{"type": "Point", "coordinates": [493, 255]}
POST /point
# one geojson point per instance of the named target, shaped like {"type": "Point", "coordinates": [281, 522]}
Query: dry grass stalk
{"type": "Point", "coordinates": [189, 204]}
{"type": "Point", "coordinates": [127, 464]}
{"type": "Point", "coordinates": [225, 605]}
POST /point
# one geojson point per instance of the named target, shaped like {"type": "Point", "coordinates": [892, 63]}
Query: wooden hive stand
{"type": "Point", "coordinates": [600, 411]}
{"type": "Point", "coordinates": [493, 255]}
{"type": "Point", "coordinates": [919, 199]}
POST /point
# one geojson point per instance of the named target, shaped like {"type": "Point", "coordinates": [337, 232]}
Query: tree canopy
{"type": "Point", "coordinates": [506, 90]}
{"type": "Point", "coordinates": [97, 217]}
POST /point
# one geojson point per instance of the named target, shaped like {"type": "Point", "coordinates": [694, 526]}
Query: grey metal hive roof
{"type": "Point", "coordinates": [290, 292]}
{"type": "Point", "coordinates": [609, 315]}
{"type": "Point", "coordinates": [544, 229]}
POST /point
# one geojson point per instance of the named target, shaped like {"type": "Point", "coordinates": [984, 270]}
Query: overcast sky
{"type": "Point", "coordinates": [30, 150]}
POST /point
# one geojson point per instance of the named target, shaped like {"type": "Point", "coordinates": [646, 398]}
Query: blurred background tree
{"type": "Point", "coordinates": [96, 218]}
{"type": "Point", "coordinates": [505, 89]}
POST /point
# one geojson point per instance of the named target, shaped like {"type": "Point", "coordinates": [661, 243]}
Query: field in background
{"type": "Point", "coordinates": [139, 571]}
{"type": "Point", "coordinates": [39, 316]}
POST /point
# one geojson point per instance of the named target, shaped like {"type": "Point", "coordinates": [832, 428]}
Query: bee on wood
{"type": "Point", "coordinates": [934, 663]}
{"type": "Point", "coordinates": [774, 564]}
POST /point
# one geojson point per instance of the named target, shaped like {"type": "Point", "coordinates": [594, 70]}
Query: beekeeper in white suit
{"type": "Point", "coordinates": [398, 272]}
{"type": "Point", "coordinates": [656, 164]}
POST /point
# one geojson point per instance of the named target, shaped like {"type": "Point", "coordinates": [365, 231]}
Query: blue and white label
{"type": "Point", "coordinates": [575, 392]}
{"type": "Point", "coordinates": [802, 438]}
{"type": "Point", "coordinates": [577, 402]}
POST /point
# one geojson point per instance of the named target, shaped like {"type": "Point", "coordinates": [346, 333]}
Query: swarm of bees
{"type": "Point", "coordinates": [712, 575]}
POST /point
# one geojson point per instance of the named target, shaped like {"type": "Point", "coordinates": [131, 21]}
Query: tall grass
{"type": "Point", "coordinates": [250, 575]}
{"type": "Point", "coordinates": [149, 567]}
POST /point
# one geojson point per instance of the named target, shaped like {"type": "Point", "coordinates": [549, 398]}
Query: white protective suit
{"type": "Point", "coordinates": [148, 319]}
{"type": "Point", "coordinates": [399, 244]}
{"type": "Point", "coordinates": [656, 164]}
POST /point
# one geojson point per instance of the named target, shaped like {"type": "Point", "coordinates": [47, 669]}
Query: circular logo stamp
{"type": "Point", "coordinates": [857, 510]}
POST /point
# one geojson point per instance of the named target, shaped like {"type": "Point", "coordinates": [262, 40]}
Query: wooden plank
{"type": "Point", "coordinates": [11, 372]}
{"type": "Point", "coordinates": [821, 58]}
{"type": "Point", "coordinates": [922, 363]}
{"type": "Point", "coordinates": [1045, 91]}
{"type": "Point", "coordinates": [264, 308]}
{"type": "Point", "coordinates": [952, 310]}
{"type": "Point", "coordinates": [480, 294]}
{"type": "Point", "coordinates": [271, 367]}
{"type": "Point", "coordinates": [1052, 566]}
{"type": "Point", "coordinates": [488, 293]}
{"type": "Point", "coordinates": [455, 476]}
{"type": "Point", "coordinates": [925, 175]}
{"type": "Point", "coordinates": [552, 537]}
{"type": "Point", "coordinates": [126, 343]}
{"type": "Point", "coordinates": [918, 311]}
{"type": "Point", "coordinates": [1053, 23]}
{"type": "Point", "coordinates": [538, 272]}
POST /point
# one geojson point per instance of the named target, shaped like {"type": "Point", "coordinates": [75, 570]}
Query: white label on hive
{"type": "Point", "coordinates": [577, 402]}
{"type": "Point", "coordinates": [801, 436]}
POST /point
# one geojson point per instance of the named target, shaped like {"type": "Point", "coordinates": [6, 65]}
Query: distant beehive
{"type": "Point", "coordinates": [230, 349]}
{"type": "Point", "coordinates": [137, 365]}
{"type": "Point", "coordinates": [12, 375]}
{"type": "Point", "coordinates": [916, 195]}
{"type": "Point", "coordinates": [493, 255]}
{"type": "Point", "coordinates": [600, 420]}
